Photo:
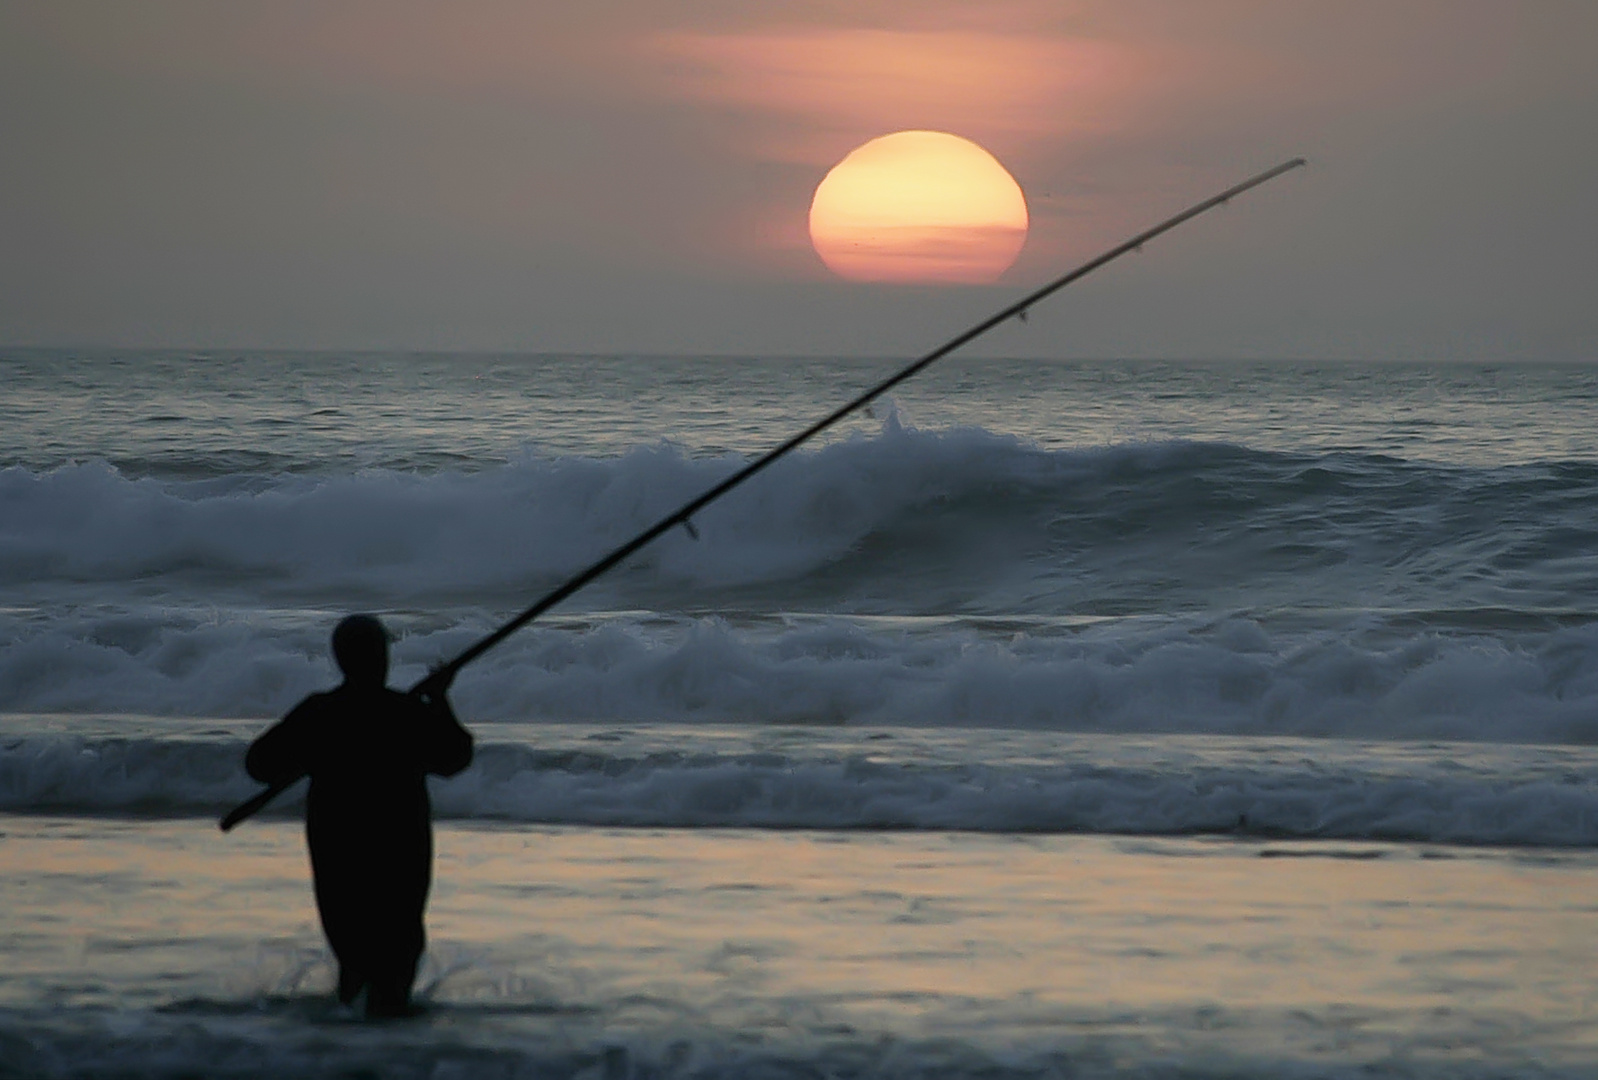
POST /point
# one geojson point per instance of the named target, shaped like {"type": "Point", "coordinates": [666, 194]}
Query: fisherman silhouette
{"type": "Point", "coordinates": [368, 821]}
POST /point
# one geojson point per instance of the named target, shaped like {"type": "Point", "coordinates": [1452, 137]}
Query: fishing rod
{"type": "Point", "coordinates": [683, 515]}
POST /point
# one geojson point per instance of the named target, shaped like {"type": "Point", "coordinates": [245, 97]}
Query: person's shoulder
{"type": "Point", "coordinates": [402, 702]}
{"type": "Point", "coordinates": [311, 704]}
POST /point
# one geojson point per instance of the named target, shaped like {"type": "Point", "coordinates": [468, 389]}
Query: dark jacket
{"type": "Point", "coordinates": [367, 750]}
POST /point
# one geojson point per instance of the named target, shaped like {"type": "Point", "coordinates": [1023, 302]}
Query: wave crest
{"type": "Point", "coordinates": [1260, 788]}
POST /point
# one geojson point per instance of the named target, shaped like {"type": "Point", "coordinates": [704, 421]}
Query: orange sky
{"type": "Point", "coordinates": [481, 174]}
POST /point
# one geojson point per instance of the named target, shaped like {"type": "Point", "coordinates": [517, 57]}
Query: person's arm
{"type": "Point", "coordinates": [446, 746]}
{"type": "Point", "coordinates": [283, 751]}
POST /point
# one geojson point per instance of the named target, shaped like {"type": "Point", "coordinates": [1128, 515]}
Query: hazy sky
{"type": "Point", "coordinates": [634, 175]}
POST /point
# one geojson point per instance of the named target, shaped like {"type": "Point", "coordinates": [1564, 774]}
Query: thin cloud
{"type": "Point", "coordinates": [871, 81]}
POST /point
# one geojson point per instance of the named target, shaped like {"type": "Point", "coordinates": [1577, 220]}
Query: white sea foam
{"type": "Point", "coordinates": [696, 778]}
{"type": "Point", "coordinates": [1233, 675]}
{"type": "Point", "coordinates": [912, 578]}
{"type": "Point", "coordinates": [904, 522]}
{"type": "Point", "coordinates": [531, 520]}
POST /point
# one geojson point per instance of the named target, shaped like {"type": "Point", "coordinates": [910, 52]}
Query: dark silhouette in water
{"type": "Point", "coordinates": [367, 750]}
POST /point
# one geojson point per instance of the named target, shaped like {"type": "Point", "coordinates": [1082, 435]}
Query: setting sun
{"type": "Point", "coordinates": [918, 206]}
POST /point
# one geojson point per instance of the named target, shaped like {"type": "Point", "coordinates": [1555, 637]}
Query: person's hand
{"type": "Point", "coordinates": [433, 688]}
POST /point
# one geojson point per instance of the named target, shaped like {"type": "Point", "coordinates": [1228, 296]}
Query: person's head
{"type": "Point", "coordinates": [360, 645]}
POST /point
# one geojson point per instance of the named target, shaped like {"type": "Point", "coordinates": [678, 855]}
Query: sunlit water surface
{"type": "Point", "coordinates": [165, 948]}
{"type": "Point", "coordinates": [1053, 719]}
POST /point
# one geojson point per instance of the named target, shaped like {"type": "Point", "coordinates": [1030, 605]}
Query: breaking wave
{"type": "Point", "coordinates": [691, 779]}
{"type": "Point", "coordinates": [905, 522]}
{"type": "Point", "coordinates": [939, 578]}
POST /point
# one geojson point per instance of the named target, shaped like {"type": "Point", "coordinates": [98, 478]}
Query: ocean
{"type": "Point", "coordinates": [1078, 719]}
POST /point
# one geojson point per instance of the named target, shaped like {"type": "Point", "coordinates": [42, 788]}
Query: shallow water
{"type": "Point", "coordinates": [163, 948]}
